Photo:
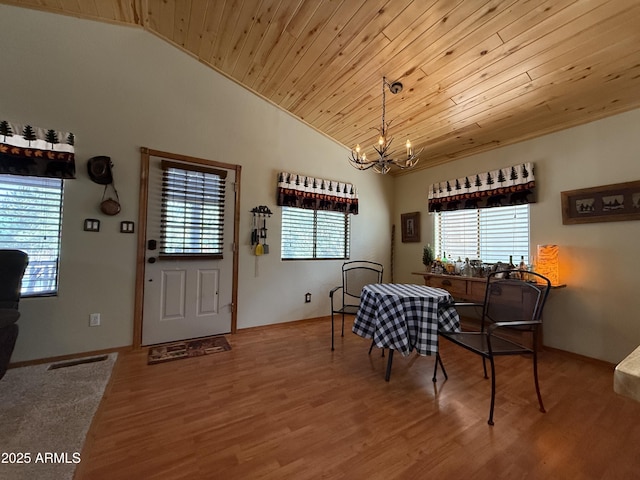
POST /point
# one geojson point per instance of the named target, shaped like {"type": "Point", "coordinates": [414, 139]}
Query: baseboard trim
{"type": "Point", "coordinates": [285, 324]}
{"type": "Point", "coordinates": [72, 356]}
{"type": "Point", "coordinates": [584, 358]}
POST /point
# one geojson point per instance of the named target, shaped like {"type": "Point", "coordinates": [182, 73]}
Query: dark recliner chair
{"type": "Point", "coordinates": [13, 264]}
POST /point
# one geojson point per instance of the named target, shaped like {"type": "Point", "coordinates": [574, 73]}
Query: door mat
{"type": "Point", "coordinates": [187, 348]}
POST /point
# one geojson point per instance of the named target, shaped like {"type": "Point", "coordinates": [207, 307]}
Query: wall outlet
{"type": "Point", "coordinates": [94, 320]}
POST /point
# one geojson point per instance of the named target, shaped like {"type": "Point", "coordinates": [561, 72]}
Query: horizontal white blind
{"type": "Point", "coordinates": [504, 232]}
{"type": "Point", "coordinates": [489, 234]}
{"type": "Point", "coordinates": [332, 235]}
{"type": "Point", "coordinates": [457, 234]}
{"type": "Point", "coordinates": [314, 234]}
{"type": "Point", "coordinates": [192, 212]}
{"type": "Point", "coordinates": [30, 220]}
{"type": "Point", "coordinates": [297, 233]}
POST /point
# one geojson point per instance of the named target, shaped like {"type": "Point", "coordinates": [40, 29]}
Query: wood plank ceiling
{"type": "Point", "coordinates": [477, 74]}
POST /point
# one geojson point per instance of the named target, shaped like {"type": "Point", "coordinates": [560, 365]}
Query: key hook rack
{"type": "Point", "coordinates": [259, 229]}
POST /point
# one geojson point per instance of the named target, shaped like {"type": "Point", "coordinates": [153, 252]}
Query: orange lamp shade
{"type": "Point", "coordinates": [548, 263]}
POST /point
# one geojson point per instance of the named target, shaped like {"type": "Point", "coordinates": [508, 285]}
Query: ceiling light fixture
{"type": "Point", "coordinates": [383, 163]}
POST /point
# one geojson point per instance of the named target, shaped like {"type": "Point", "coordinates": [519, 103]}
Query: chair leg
{"type": "Point", "coordinates": [332, 331]}
{"type": "Point", "coordinates": [535, 377]}
{"type": "Point", "coordinates": [435, 368]}
{"type": "Point", "coordinates": [342, 334]}
{"type": "Point", "coordinates": [484, 367]}
{"type": "Point", "coordinates": [493, 389]}
{"type": "Point", "coordinates": [388, 375]}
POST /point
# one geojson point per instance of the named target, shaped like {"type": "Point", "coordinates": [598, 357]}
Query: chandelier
{"type": "Point", "coordinates": [384, 160]}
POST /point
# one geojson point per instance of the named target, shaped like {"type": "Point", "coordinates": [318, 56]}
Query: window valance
{"type": "Point", "coordinates": [295, 190]}
{"type": "Point", "coordinates": [36, 152]}
{"type": "Point", "coordinates": [505, 186]}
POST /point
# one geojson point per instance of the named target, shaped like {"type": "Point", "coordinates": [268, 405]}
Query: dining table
{"type": "Point", "coordinates": [405, 317]}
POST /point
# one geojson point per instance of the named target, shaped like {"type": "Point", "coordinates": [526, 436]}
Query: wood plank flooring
{"type": "Point", "coordinates": [281, 405]}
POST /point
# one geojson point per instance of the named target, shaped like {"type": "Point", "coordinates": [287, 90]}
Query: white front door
{"type": "Point", "coordinates": [186, 295]}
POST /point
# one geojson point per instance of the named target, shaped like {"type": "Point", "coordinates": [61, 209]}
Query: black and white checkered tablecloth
{"type": "Point", "coordinates": [405, 317]}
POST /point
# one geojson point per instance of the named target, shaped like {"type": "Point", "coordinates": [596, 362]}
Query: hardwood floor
{"type": "Point", "coordinates": [281, 405]}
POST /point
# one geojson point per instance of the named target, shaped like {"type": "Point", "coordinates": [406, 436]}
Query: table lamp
{"type": "Point", "coordinates": [548, 263]}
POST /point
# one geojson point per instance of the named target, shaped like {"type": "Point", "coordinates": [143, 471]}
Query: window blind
{"type": "Point", "coordinates": [30, 220]}
{"type": "Point", "coordinates": [192, 221]}
{"type": "Point", "coordinates": [504, 232]}
{"type": "Point", "coordinates": [491, 234]}
{"type": "Point", "coordinates": [314, 234]}
{"type": "Point", "coordinates": [457, 233]}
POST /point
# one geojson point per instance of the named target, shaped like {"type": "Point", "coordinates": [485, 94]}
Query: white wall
{"type": "Point", "coordinates": [597, 313]}
{"type": "Point", "coordinates": [119, 88]}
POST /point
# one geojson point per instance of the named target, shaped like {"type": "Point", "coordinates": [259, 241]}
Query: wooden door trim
{"type": "Point", "coordinates": [145, 154]}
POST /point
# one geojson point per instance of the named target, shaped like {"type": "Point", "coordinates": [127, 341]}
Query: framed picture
{"type": "Point", "coordinates": [608, 203]}
{"type": "Point", "coordinates": [410, 227]}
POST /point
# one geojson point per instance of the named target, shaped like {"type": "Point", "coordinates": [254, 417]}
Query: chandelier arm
{"type": "Point", "coordinates": [356, 159]}
{"type": "Point", "coordinates": [360, 165]}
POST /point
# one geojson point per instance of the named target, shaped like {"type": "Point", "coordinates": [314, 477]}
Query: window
{"type": "Point", "coordinates": [314, 234]}
{"type": "Point", "coordinates": [488, 234]}
{"type": "Point", "coordinates": [30, 220]}
{"type": "Point", "coordinates": [192, 211]}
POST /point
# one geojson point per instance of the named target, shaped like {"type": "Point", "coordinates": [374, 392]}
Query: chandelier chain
{"type": "Point", "coordinates": [384, 108]}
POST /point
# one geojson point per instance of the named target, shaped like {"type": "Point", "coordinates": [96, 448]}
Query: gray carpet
{"type": "Point", "coordinates": [46, 414]}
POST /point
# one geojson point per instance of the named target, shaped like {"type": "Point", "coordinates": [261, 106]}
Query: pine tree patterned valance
{"type": "Point", "coordinates": [504, 186]}
{"type": "Point", "coordinates": [36, 152]}
{"type": "Point", "coordinates": [295, 190]}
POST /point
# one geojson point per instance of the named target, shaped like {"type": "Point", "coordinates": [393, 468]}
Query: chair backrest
{"type": "Point", "coordinates": [13, 264]}
{"type": "Point", "coordinates": [355, 275]}
{"type": "Point", "coordinates": [509, 298]}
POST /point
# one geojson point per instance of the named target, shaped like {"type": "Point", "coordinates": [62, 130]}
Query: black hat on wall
{"type": "Point", "coordinates": [100, 169]}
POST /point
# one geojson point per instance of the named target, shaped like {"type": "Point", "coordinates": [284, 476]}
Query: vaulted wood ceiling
{"type": "Point", "coordinates": [477, 74]}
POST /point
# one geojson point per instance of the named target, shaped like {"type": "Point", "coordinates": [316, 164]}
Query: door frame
{"type": "Point", "coordinates": [145, 153]}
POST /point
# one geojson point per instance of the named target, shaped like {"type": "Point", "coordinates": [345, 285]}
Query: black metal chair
{"type": "Point", "coordinates": [511, 304]}
{"type": "Point", "coordinates": [13, 264]}
{"type": "Point", "coordinates": [355, 275]}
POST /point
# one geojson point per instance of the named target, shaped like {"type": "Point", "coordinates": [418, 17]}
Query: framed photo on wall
{"type": "Point", "coordinates": [607, 203]}
{"type": "Point", "coordinates": [410, 227]}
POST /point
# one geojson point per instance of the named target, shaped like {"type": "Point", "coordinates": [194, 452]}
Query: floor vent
{"type": "Point", "coordinates": [80, 361]}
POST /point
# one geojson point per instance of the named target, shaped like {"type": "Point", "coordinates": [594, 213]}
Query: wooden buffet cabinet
{"type": "Point", "coordinates": [470, 289]}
